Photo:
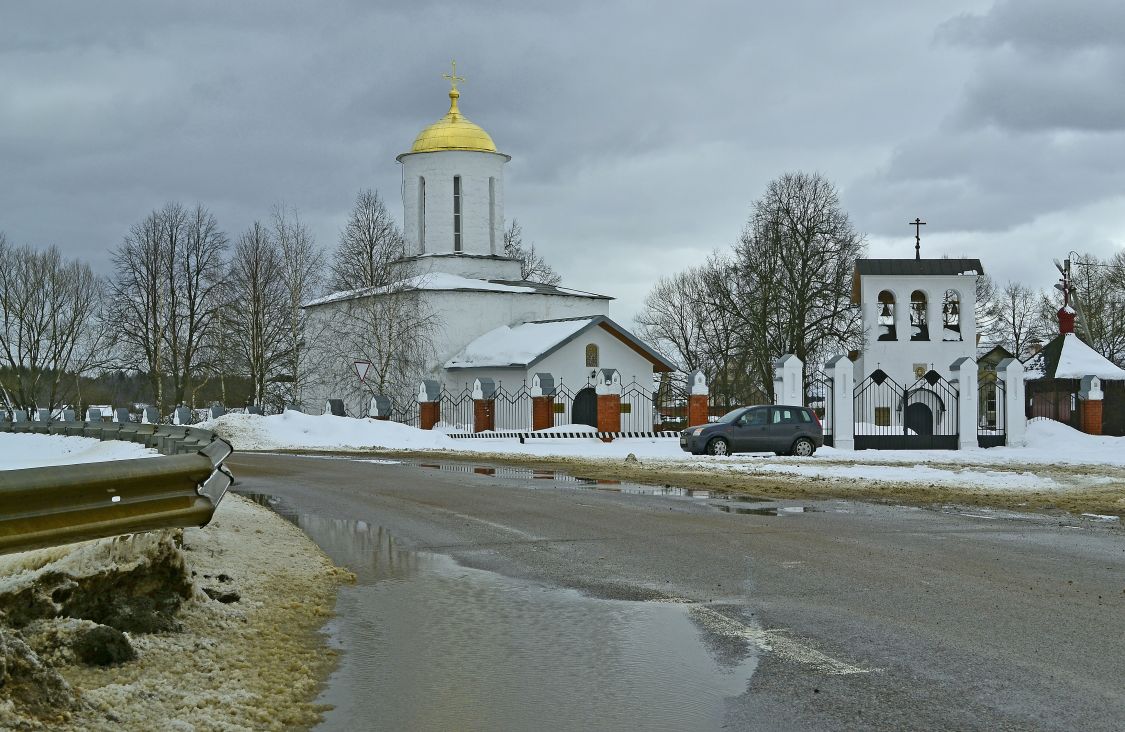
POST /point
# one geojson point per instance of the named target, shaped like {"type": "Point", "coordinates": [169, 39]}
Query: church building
{"type": "Point", "coordinates": [491, 323]}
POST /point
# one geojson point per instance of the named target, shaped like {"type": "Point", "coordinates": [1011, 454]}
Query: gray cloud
{"type": "Point", "coordinates": [640, 133]}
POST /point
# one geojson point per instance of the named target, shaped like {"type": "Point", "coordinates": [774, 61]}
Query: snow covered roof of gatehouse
{"type": "Point", "coordinates": [1068, 357]}
{"type": "Point", "coordinates": [525, 344]}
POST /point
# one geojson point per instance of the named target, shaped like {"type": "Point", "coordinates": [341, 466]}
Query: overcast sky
{"type": "Point", "coordinates": [640, 132]}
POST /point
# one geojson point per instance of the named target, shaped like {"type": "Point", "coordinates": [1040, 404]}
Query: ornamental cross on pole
{"type": "Point", "coordinates": [453, 77]}
{"type": "Point", "coordinates": [917, 223]}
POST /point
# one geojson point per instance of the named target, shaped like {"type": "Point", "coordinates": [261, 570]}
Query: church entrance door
{"type": "Point", "coordinates": [585, 409]}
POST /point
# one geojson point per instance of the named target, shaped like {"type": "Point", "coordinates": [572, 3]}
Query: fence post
{"type": "Point", "coordinates": [787, 386]}
{"type": "Point", "coordinates": [429, 404]}
{"type": "Point", "coordinates": [964, 372]}
{"type": "Point", "coordinates": [1010, 371]}
{"type": "Point", "coordinates": [380, 408]}
{"type": "Point", "coordinates": [608, 391]}
{"type": "Point", "coordinates": [484, 405]}
{"type": "Point", "coordinates": [542, 401]}
{"type": "Point", "coordinates": [840, 414]}
{"type": "Point", "coordinates": [1090, 396]}
{"type": "Point", "coordinates": [698, 400]}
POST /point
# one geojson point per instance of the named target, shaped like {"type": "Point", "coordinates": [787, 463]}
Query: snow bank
{"type": "Point", "coordinates": [298, 431]}
{"type": "Point", "coordinates": [35, 451]}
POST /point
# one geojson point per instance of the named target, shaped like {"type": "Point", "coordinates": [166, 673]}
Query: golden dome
{"type": "Point", "coordinates": [453, 132]}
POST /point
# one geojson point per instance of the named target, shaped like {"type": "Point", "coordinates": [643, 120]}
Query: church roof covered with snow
{"type": "Point", "coordinates": [453, 282]}
{"type": "Point", "coordinates": [1067, 357]}
{"type": "Point", "coordinates": [525, 344]}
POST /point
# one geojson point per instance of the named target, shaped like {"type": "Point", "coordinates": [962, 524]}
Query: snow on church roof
{"type": "Point", "coordinates": [1074, 360]}
{"type": "Point", "coordinates": [445, 281]}
{"type": "Point", "coordinates": [516, 345]}
{"type": "Point", "coordinates": [526, 343]}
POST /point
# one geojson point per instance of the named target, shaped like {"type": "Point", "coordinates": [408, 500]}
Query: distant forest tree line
{"type": "Point", "coordinates": [191, 316]}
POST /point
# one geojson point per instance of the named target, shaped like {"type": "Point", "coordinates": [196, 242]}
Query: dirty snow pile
{"type": "Point", "coordinates": [34, 451]}
{"type": "Point", "coordinates": [213, 628]}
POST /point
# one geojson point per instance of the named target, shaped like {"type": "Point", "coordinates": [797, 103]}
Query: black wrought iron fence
{"type": "Point", "coordinates": [456, 410]}
{"type": "Point", "coordinates": [992, 411]}
{"type": "Point", "coordinates": [512, 409]}
{"type": "Point", "coordinates": [818, 397]}
{"type": "Point", "coordinates": [889, 416]}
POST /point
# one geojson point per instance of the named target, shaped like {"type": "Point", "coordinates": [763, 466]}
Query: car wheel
{"type": "Point", "coordinates": [718, 446]}
{"type": "Point", "coordinates": [803, 448]}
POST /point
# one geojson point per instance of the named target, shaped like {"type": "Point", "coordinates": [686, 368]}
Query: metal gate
{"type": "Point", "coordinates": [818, 397]}
{"type": "Point", "coordinates": [992, 426]}
{"type": "Point", "coordinates": [922, 416]}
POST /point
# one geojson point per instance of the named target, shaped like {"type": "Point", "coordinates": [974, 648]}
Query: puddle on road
{"type": "Point", "coordinates": [768, 510]}
{"type": "Point", "coordinates": [563, 478]}
{"type": "Point", "coordinates": [429, 644]}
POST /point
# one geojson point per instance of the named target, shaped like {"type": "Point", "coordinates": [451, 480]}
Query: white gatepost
{"type": "Point", "coordinates": [787, 386]}
{"type": "Point", "coordinates": [840, 412]}
{"type": "Point", "coordinates": [1010, 372]}
{"type": "Point", "coordinates": [964, 372]}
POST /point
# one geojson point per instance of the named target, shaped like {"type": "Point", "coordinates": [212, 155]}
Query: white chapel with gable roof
{"type": "Point", "coordinates": [491, 323]}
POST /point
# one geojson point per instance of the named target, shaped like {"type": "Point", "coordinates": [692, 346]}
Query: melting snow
{"type": "Point", "coordinates": [519, 345]}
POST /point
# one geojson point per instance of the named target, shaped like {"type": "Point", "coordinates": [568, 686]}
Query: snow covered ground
{"type": "Point", "coordinates": [35, 451]}
{"type": "Point", "coordinates": [1031, 467]}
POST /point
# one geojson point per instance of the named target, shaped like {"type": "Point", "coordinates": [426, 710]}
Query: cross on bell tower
{"type": "Point", "coordinates": [917, 223]}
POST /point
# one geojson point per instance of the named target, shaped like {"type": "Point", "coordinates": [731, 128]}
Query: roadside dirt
{"type": "Point", "coordinates": [1087, 488]}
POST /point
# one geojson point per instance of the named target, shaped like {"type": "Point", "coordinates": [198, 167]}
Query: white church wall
{"type": "Point", "coordinates": [482, 222]}
{"type": "Point", "coordinates": [900, 357]}
{"type": "Point", "coordinates": [463, 265]}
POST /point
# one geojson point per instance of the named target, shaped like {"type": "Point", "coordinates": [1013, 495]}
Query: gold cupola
{"type": "Point", "coordinates": [453, 131]}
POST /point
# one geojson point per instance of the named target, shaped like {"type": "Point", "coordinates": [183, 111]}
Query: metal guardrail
{"type": "Point", "coordinates": [49, 506]}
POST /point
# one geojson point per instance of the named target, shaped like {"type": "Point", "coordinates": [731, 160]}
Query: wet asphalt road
{"type": "Point", "coordinates": [882, 617]}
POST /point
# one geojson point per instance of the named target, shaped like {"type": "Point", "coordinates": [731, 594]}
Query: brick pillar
{"type": "Point", "coordinates": [429, 414]}
{"type": "Point", "coordinates": [1092, 416]}
{"type": "Point", "coordinates": [609, 414]}
{"type": "Point", "coordinates": [484, 417]}
{"type": "Point", "coordinates": [542, 412]}
{"type": "Point", "coordinates": [384, 418]}
{"type": "Point", "coordinates": [697, 409]}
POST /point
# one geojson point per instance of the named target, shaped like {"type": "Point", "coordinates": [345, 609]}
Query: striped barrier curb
{"type": "Point", "coordinates": [521, 436]}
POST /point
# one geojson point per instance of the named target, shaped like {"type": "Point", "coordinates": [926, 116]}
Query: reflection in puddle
{"type": "Point", "coordinates": [556, 476]}
{"type": "Point", "coordinates": [767, 511]}
{"type": "Point", "coordinates": [429, 644]}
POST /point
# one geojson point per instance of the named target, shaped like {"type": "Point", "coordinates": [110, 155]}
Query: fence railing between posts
{"type": "Point", "coordinates": [992, 414]}
{"type": "Point", "coordinates": [818, 397]}
{"type": "Point", "coordinates": [889, 416]}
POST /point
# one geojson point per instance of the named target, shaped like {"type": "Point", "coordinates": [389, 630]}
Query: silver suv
{"type": "Point", "coordinates": [780, 429]}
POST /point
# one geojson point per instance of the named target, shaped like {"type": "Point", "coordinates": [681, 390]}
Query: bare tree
{"type": "Point", "coordinates": [1099, 297]}
{"type": "Point", "coordinates": [533, 267]}
{"type": "Point", "coordinates": [52, 326]}
{"type": "Point", "coordinates": [140, 300]}
{"type": "Point", "coordinates": [1019, 322]}
{"type": "Point", "coordinates": [302, 272]}
{"type": "Point", "coordinates": [257, 322]}
{"type": "Point", "coordinates": [370, 241]}
{"type": "Point", "coordinates": [792, 273]}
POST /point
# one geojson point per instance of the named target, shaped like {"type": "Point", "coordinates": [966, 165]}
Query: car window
{"type": "Point", "coordinates": [733, 415]}
{"type": "Point", "coordinates": [784, 416]}
{"type": "Point", "coordinates": [756, 417]}
{"type": "Point", "coordinates": [804, 415]}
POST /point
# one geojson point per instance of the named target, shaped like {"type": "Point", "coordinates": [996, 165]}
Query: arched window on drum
{"type": "Point", "coordinates": [951, 316]}
{"type": "Point", "coordinates": [919, 329]}
{"type": "Point", "coordinates": [886, 319]}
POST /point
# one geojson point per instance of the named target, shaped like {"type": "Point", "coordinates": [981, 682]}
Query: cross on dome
{"type": "Point", "coordinates": [453, 77]}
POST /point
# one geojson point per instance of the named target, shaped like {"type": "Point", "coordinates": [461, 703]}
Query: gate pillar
{"type": "Point", "coordinates": [1090, 396]}
{"type": "Point", "coordinates": [484, 405]}
{"type": "Point", "coordinates": [698, 398]}
{"type": "Point", "coordinates": [1010, 371]}
{"type": "Point", "coordinates": [964, 372]}
{"type": "Point", "coordinates": [542, 401]}
{"type": "Point", "coordinates": [608, 390]}
{"type": "Point", "coordinates": [429, 404]}
{"type": "Point", "coordinates": [839, 413]}
{"type": "Point", "coordinates": [787, 386]}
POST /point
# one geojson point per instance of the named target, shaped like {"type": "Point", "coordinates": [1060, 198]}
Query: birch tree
{"type": "Point", "coordinates": [370, 241]}
{"type": "Point", "coordinates": [302, 273]}
{"type": "Point", "coordinates": [533, 267]}
{"type": "Point", "coordinates": [257, 323]}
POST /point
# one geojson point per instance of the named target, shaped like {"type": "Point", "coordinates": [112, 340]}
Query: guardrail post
{"type": "Point", "coordinates": [429, 404]}
{"type": "Point", "coordinates": [698, 405]}
{"type": "Point", "coordinates": [542, 401]}
{"type": "Point", "coordinates": [608, 391]}
{"type": "Point", "coordinates": [484, 405]}
{"type": "Point", "coordinates": [840, 413]}
{"type": "Point", "coordinates": [964, 372]}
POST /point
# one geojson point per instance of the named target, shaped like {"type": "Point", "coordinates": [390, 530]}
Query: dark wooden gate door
{"type": "Point", "coordinates": [585, 409]}
{"type": "Point", "coordinates": [919, 419]}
